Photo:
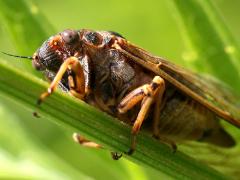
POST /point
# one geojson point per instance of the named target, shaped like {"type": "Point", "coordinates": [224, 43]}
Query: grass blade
{"type": "Point", "coordinates": [212, 49]}
{"type": "Point", "coordinates": [78, 116]}
{"type": "Point", "coordinates": [93, 124]}
{"type": "Point", "coordinates": [23, 21]}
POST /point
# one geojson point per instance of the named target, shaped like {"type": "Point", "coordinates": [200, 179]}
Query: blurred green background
{"type": "Point", "coordinates": [36, 148]}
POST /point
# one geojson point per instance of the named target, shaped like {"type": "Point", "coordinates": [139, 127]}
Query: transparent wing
{"type": "Point", "coordinates": [207, 91]}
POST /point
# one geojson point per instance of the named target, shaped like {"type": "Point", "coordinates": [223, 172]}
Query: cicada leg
{"type": "Point", "coordinates": [147, 94]}
{"type": "Point", "coordinates": [76, 89]}
{"type": "Point", "coordinates": [87, 143]}
{"type": "Point", "coordinates": [116, 155]}
{"type": "Point", "coordinates": [160, 102]}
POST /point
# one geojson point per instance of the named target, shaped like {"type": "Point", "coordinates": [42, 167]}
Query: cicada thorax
{"type": "Point", "coordinates": [113, 76]}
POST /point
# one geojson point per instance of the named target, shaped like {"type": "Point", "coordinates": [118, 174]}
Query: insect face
{"type": "Point", "coordinates": [56, 49]}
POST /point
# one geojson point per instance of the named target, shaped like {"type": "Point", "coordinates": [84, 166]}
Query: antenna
{"type": "Point", "coordinates": [23, 57]}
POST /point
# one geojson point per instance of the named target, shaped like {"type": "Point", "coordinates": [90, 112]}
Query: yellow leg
{"type": "Point", "coordinates": [146, 94]}
{"type": "Point", "coordinates": [157, 110]}
{"type": "Point", "coordinates": [86, 143]}
{"type": "Point", "coordinates": [72, 64]}
{"type": "Point", "coordinates": [156, 119]}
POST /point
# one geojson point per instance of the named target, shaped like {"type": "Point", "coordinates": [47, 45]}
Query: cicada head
{"type": "Point", "coordinates": [56, 49]}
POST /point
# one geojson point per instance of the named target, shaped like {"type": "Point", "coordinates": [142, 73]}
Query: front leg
{"type": "Point", "coordinates": [77, 88]}
{"type": "Point", "coordinates": [87, 143]}
{"type": "Point", "coordinates": [146, 94]}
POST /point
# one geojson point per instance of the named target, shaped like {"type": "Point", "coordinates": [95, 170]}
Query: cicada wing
{"type": "Point", "coordinates": [207, 92]}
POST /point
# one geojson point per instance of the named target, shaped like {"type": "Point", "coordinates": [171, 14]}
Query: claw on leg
{"type": "Point", "coordinates": [36, 115]}
{"type": "Point", "coordinates": [116, 156]}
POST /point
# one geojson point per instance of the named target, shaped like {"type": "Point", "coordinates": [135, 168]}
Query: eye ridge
{"type": "Point", "coordinates": [55, 43]}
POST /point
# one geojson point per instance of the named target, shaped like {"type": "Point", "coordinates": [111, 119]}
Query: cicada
{"type": "Point", "coordinates": [107, 71]}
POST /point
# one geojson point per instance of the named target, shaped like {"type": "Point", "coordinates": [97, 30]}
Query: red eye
{"type": "Point", "coordinates": [36, 64]}
{"type": "Point", "coordinates": [70, 36]}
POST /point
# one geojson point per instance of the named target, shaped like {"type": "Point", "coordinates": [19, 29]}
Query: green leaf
{"type": "Point", "coordinates": [24, 21]}
{"type": "Point", "coordinates": [98, 126]}
{"type": "Point", "coordinates": [75, 115]}
{"type": "Point", "coordinates": [211, 47]}
{"type": "Point", "coordinates": [24, 157]}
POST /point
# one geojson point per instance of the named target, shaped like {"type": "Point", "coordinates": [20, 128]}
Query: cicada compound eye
{"type": "Point", "coordinates": [36, 63]}
{"type": "Point", "coordinates": [70, 36]}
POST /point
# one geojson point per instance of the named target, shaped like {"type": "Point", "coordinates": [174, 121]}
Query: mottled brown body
{"type": "Point", "coordinates": [102, 68]}
{"type": "Point", "coordinates": [181, 118]}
